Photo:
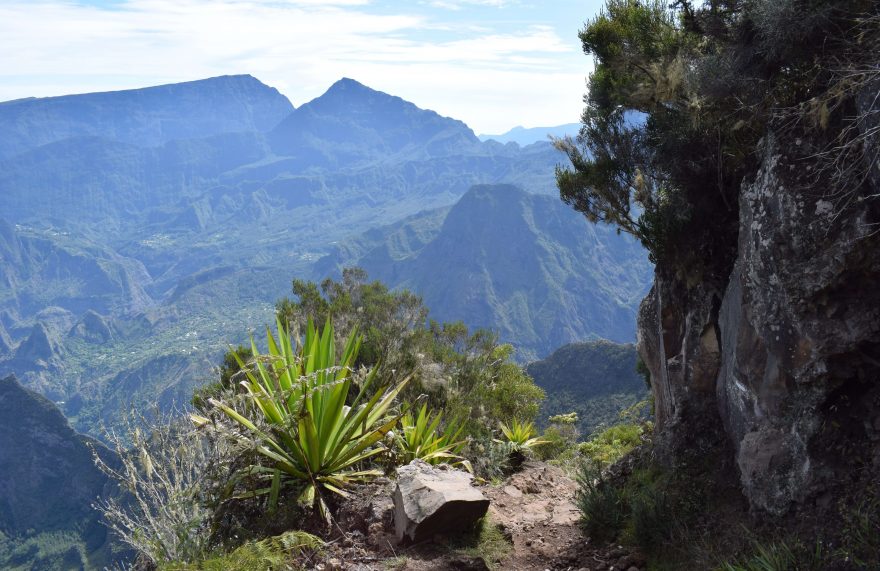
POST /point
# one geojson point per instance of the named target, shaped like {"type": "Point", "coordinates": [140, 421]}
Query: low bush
{"type": "Point", "coordinates": [520, 440]}
{"type": "Point", "coordinates": [781, 556]}
{"type": "Point", "coordinates": [603, 508]}
{"type": "Point", "coordinates": [296, 418]}
{"type": "Point", "coordinates": [271, 554]}
{"type": "Point", "coordinates": [165, 474]}
{"type": "Point", "coordinates": [612, 444]}
{"type": "Point", "coordinates": [424, 436]}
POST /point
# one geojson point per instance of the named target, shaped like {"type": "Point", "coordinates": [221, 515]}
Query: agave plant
{"type": "Point", "coordinates": [420, 437]}
{"type": "Point", "coordinates": [303, 427]}
{"type": "Point", "coordinates": [520, 439]}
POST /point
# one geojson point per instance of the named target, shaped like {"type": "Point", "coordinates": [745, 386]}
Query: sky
{"type": "Point", "coordinates": [494, 64]}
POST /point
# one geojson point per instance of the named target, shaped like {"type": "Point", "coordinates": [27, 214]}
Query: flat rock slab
{"type": "Point", "coordinates": [434, 500]}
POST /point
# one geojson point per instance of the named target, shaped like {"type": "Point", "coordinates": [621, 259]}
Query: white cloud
{"type": "Point", "coordinates": [489, 78]}
{"type": "Point", "coordinates": [459, 4]}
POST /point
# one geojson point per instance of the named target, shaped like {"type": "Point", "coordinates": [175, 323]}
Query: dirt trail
{"type": "Point", "coordinates": [534, 508]}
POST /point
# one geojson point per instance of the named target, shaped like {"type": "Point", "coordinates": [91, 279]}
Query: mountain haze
{"type": "Point", "coordinates": [523, 136]}
{"type": "Point", "coordinates": [145, 117]}
{"type": "Point", "coordinates": [145, 230]}
{"type": "Point", "coordinates": [522, 264]}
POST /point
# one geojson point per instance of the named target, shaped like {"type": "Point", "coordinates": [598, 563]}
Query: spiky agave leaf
{"type": "Point", "coordinates": [421, 438]}
{"type": "Point", "coordinates": [312, 437]}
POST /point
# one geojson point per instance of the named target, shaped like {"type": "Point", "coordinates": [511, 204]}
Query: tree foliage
{"type": "Point", "coordinates": [467, 373]}
{"type": "Point", "coordinates": [683, 91]}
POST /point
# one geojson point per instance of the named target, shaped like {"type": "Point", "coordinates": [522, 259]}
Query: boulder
{"type": "Point", "coordinates": [434, 500]}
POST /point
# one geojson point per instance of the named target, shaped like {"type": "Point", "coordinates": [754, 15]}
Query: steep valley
{"type": "Point", "coordinates": [139, 239]}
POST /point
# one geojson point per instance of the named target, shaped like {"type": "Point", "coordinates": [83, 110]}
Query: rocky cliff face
{"type": "Point", "coordinates": [783, 359]}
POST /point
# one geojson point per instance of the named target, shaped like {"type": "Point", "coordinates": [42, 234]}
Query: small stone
{"type": "Point", "coordinates": [512, 491]}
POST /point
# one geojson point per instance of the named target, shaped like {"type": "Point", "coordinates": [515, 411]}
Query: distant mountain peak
{"type": "Point", "coordinates": [349, 83]}
{"type": "Point", "coordinates": [351, 122]}
{"type": "Point", "coordinates": [348, 94]}
{"type": "Point", "coordinates": [39, 346]}
{"type": "Point", "coordinates": [528, 135]}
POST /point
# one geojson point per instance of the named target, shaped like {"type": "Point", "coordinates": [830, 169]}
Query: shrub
{"type": "Point", "coordinates": [297, 419]}
{"type": "Point", "coordinates": [613, 443]}
{"type": "Point", "coordinates": [164, 472]}
{"type": "Point", "coordinates": [466, 373]}
{"type": "Point", "coordinates": [862, 544]}
{"type": "Point", "coordinates": [520, 440]}
{"type": "Point", "coordinates": [489, 457]}
{"type": "Point", "coordinates": [271, 554]}
{"type": "Point", "coordinates": [560, 436]}
{"type": "Point", "coordinates": [603, 508]}
{"type": "Point", "coordinates": [651, 520]}
{"type": "Point", "coordinates": [420, 437]}
{"type": "Point", "coordinates": [781, 556]}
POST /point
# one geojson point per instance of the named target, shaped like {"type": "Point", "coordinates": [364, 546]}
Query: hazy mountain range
{"type": "Point", "coordinates": [523, 264]}
{"type": "Point", "coordinates": [526, 136]}
{"type": "Point", "coordinates": [142, 231]}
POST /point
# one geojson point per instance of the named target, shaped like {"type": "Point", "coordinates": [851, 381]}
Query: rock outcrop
{"type": "Point", "coordinates": [92, 327]}
{"type": "Point", "coordinates": [784, 358]}
{"type": "Point", "coordinates": [434, 500]}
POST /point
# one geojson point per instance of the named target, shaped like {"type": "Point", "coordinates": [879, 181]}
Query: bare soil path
{"type": "Point", "coordinates": [535, 510]}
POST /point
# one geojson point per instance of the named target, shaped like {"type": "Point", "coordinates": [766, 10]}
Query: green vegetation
{"type": "Point", "coordinates": [637, 508]}
{"type": "Point", "coordinates": [271, 554]}
{"type": "Point", "coordinates": [486, 540]}
{"type": "Point", "coordinates": [164, 472]}
{"type": "Point", "coordinates": [780, 557]}
{"type": "Point", "coordinates": [858, 546]}
{"type": "Point", "coordinates": [520, 440]}
{"type": "Point", "coordinates": [297, 418]}
{"type": "Point", "coordinates": [644, 512]}
{"type": "Point", "coordinates": [421, 437]}
{"type": "Point", "coordinates": [289, 431]}
{"type": "Point", "coordinates": [597, 380]}
{"type": "Point", "coordinates": [560, 437]}
{"type": "Point", "coordinates": [470, 376]}
{"type": "Point", "coordinates": [682, 93]}
{"type": "Point", "coordinates": [613, 443]}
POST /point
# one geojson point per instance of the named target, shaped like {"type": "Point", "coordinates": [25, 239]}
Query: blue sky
{"type": "Point", "coordinates": [492, 63]}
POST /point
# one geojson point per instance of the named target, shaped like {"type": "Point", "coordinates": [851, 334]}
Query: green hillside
{"type": "Point", "coordinates": [522, 264]}
{"type": "Point", "coordinates": [47, 485]}
{"type": "Point", "coordinates": [597, 380]}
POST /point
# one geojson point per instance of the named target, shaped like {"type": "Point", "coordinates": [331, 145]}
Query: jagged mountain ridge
{"type": "Point", "coordinates": [350, 117]}
{"type": "Point", "coordinates": [522, 264]}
